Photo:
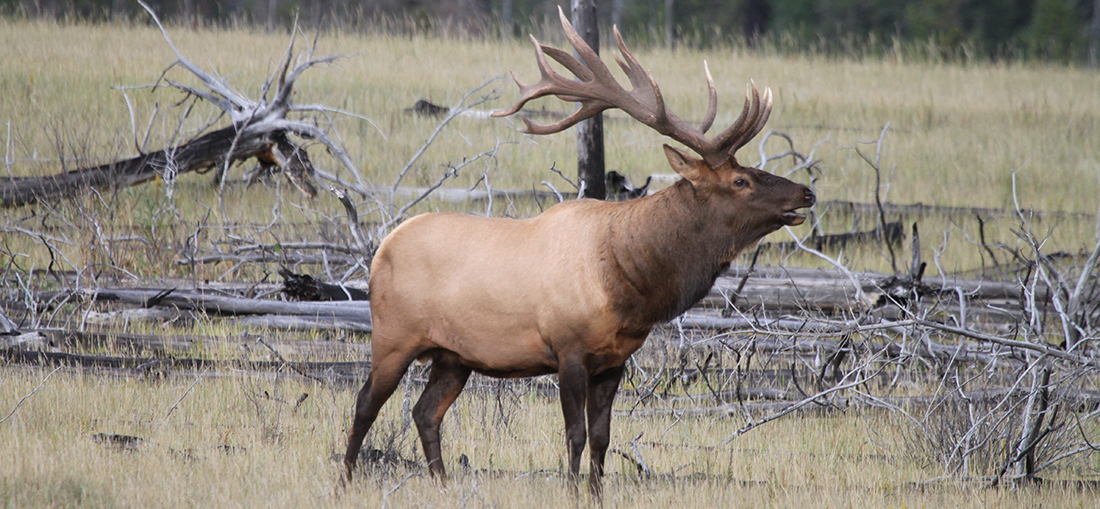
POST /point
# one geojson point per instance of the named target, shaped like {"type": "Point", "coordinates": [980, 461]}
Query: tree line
{"type": "Point", "coordinates": [1066, 31]}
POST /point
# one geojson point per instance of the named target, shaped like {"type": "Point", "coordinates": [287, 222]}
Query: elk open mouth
{"type": "Point", "coordinates": [792, 218]}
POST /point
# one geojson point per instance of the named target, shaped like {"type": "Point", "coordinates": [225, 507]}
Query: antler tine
{"type": "Point", "coordinates": [645, 89]}
{"type": "Point", "coordinates": [591, 59]}
{"type": "Point", "coordinates": [712, 102]}
{"type": "Point", "coordinates": [586, 110]}
{"type": "Point", "coordinates": [581, 71]}
{"type": "Point", "coordinates": [638, 76]}
{"type": "Point", "coordinates": [587, 91]}
{"type": "Point", "coordinates": [551, 81]}
{"type": "Point", "coordinates": [764, 112]}
{"type": "Point", "coordinates": [755, 122]}
{"type": "Point", "coordinates": [733, 137]}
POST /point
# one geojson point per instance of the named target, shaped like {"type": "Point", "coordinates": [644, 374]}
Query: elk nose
{"type": "Point", "coordinates": [810, 197]}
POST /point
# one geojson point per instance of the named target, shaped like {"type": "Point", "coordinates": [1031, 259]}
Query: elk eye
{"type": "Point", "coordinates": [740, 182]}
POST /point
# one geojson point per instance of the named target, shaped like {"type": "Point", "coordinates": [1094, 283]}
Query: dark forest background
{"type": "Point", "coordinates": [1066, 31]}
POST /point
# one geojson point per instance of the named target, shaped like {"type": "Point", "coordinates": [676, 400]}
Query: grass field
{"type": "Point", "coordinates": [957, 135]}
{"type": "Point", "coordinates": [232, 441]}
{"type": "Point", "coordinates": [245, 438]}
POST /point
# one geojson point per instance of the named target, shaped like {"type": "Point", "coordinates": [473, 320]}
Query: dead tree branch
{"type": "Point", "coordinates": [24, 398]}
{"type": "Point", "coordinates": [259, 129]}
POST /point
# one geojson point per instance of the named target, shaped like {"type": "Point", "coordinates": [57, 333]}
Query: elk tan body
{"type": "Point", "coordinates": [576, 289]}
{"type": "Point", "coordinates": [519, 311]}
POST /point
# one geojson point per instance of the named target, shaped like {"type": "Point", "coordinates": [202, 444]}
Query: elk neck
{"type": "Point", "coordinates": [663, 252]}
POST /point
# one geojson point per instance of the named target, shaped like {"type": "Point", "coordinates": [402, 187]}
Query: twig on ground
{"type": "Point", "coordinates": [24, 398]}
{"type": "Point", "coordinates": [185, 393]}
{"type": "Point", "coordinates": [294, 368]}
{"type": "Point", "coordinates": [805, 401]}
{"type": "Point", "coordinates": [386, 496]}
{"type": "Point", "coordinates": [641, 461]}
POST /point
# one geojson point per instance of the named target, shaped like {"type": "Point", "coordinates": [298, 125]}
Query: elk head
{"type": "Point", "coordinates": [768, 201]}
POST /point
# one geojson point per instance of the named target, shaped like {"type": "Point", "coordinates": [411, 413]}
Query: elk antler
{"type": "Point", "coordinates": [598, 90]}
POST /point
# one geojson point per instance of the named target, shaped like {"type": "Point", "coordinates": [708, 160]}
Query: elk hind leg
{"type": "Point", "coordinates": [384, 377]}
{"type": "Point", "coordinates": [445, 383]}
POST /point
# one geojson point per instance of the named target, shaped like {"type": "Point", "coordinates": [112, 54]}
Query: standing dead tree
{"type": "Point", "coordinates": [260, 129]}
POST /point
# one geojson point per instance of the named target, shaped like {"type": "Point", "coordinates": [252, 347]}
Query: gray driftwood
{"type": "Point", "coordinates": [208, 150]}
{"type": "Point", "coordinates": [218, 304]}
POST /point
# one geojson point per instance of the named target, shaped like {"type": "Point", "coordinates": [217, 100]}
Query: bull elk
{"type": "Point", "coordinates": [577, 289]}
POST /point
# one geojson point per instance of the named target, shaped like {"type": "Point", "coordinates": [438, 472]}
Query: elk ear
{"type": "Point", "coordinates": [693, 169]}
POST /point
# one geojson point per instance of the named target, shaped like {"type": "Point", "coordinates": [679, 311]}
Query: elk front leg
{"type": "Point", "coordinates": [445, 383]}
{"type": "Point", "coordinates": [573, 383]}
{"type": "Point", "coordinates": [601, 394]}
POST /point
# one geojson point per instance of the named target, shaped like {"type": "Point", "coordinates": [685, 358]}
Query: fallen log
{"type": "Point", "coordinates": [802, 290]}
{"type": "Point", "coordinates": [891, 234]}
{"type": "Point", "coordinates": [303, 323]}
{"type": "Point", "coordinates": [304, 287]}
{"type": "Point", "coordinates": [460, 195]}
{"type": "Point", "coordinates": [922, 210]}
{"type": "Point", "coordinates": [351, 380]}
{"type": "Point", "coordinates": [168, 344]}
{"type": "Point", "coordinates": [259, 129]}
{"type": "Point", "coordinates": [144, 365]}
{"type": "Point", "coordinates": [204, 152]}
{"type": "Point", "coordinates": [30, 340]}
{"type": "Point", "coordinates": [132, 316]}
{"type": "Point", "coordinates": [265, 257]}
{"type": "Point", "coordinates": [1081, 400]}
{"type": "Point", "coordinates": [830, 291]}
{"type": "Point", "coordinates": [199, 300]}
{"type": "Point", "coordinates": [736, 409]}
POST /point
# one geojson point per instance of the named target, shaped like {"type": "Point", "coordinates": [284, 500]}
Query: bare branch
{"type": "Point", "coordinates": [860, 297]}
{"type": "Point", "coordinates": [806, 401]}
{"type": "Point", "coordinates": [320, 108]}
{"type": "Point", "coordinates": [24, 398]}
{"type": "Point", "coordinates": [185, 393]}
{"type": "Point", "coordinates": [240, 105]}
{"type": "Point", "coordinates": [312, 132]}
{"type": "Point", "coordinates": [366, 248]}
{"type": "Point", "coordinates": [455, 111]}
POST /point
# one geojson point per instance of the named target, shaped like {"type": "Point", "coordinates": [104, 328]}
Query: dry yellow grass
{"type": "Point", "coordinates": [226, 445]}
{"type": "Point", "coordinates": [957, 134]}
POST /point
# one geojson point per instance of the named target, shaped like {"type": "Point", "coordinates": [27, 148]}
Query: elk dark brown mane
{"type": "Point", "coordinates": [577, 289]}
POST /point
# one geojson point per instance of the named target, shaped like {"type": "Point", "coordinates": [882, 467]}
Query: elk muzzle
{"type": "Point", "coordinates": [792, 217]}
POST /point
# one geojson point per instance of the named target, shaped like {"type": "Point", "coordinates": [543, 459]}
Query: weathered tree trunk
{"type": "Point", "coordinates": [209, 149]}
{"type": "Point", "coordinates": [590, 160]}
{"type": "Point", "coordinates": [506, 22]}
{"type": "Point", "coordinates": [216, 304]}
{"type": "Point", "coordinates": [1094, 35]}
{"type": "Point", "coordinates": [189, 16]}
{"type": "Point", "coordinates": [670, 24]}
